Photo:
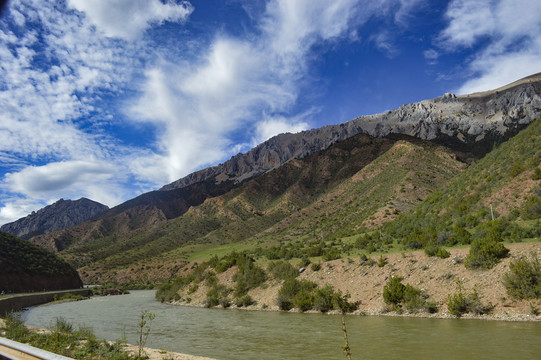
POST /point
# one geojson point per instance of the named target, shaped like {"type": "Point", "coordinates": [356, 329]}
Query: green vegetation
{"type": "Point", "coordinates": [65, 340]}
{"type": "Point", "coordinates": [523, 281]}
{"type": "Point", "coordinates": [306, 295]}
{"type": "Point", "coordinates": [485, 253]}
{"type": "Point", "coordinates": [282, 270]}
{"type": "Point", "coordinates": [21, 261]}
{"type": "Point", "coordinates": [399, 295]}
{"type": "Point", "coordinates": [144, 331]}
{"type": "Point", "coordinates": [460, 303]}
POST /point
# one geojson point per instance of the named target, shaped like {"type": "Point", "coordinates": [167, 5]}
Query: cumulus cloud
{"type": "Point", "coordinates": [128, 19]}
{"type": "Point", "coordinates": [244, 84]}
{"type": "Point", "coordinates": [65, 70]}
{"type": "Point", "coordinates": [37, 186]}
{"type": "Point", "coordinates": [505, 36]}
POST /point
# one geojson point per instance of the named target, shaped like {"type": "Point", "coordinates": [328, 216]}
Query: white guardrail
{"type": "Point", "coordinates": [17, 351]}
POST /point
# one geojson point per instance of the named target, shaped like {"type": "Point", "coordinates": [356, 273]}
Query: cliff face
{"type": "Point", "coordinates": [60, 215]}
{"type": "Point", "coordinates": [472, 122]}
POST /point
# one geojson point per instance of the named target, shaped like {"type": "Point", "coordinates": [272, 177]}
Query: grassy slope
{"type": "Point", "coordinates": [504, 178]}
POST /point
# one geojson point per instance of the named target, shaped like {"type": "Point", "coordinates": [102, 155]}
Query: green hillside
{"type": "Point", "coordinates": [27, 267]}
{"type": "Point", "coordinates": [505, 184]}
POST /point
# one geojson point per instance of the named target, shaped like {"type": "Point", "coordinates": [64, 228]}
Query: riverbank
{"type": "Point", "coordinates": [153, 354]}
{"type": "Point", "coordinates": [364, 282]}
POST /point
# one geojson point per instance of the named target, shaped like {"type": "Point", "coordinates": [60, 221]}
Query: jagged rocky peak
{"type": "Point", "coordinates": [59, 215]}
{"type": "Point", "coordinates": [462, 119]}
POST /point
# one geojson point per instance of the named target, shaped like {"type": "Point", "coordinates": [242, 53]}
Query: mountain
{"type": "Point", "coordinates": [332, 191]}
{"type": "Point", "coordinates": [470, 122]}
{"type": "Point", "coordinates": [60, 215]}
{"type": "Point", "coordinates": [504, 185]}
{"type": "Point", "coordinates": [27, 267]}
{"type": "Point", "coordinates": [328, 184]}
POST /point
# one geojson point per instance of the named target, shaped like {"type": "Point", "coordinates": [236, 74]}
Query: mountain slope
{"type": "Point", "coordinates": [505, 184]}
{"type": "Point", "coordinates": [286, 203]}
{"type": "Point", "coordinates": [289, 188]}
{"type": "Point", "coordinates": [467, 122]}
{"type": "Point", "coordinates": [60, 215]}
{"type": "Point", "coordinates": [27, 267]}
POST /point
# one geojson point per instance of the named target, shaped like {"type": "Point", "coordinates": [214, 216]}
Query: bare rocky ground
{"type": "Point", "coordinates": [438, 277]}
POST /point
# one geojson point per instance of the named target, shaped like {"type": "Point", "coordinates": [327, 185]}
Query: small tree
{"type": "Point", "coordinates": [393, 291]}
{"type": "Point", "coordinates": [485, 253]}
{"type": "Point", "coordinates": [144, 330]}
{"type": "Point", "coordinates": [523, 281]}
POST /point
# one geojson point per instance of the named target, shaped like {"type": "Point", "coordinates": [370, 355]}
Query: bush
{"type": "Point", "coordinates": [413, 299]}
{"type": "Point", "coordinates": [323, 299]}
{"type": "Point", "coordinates": [485, 253]}
{"type": "Point", "coordinates": [460, 303]}
{"type": "Point", "coordinates": [382, 261]}
{"type": "Point", "coordinates": [305, 295]}
{"type": "Point", "coordinates": [523, 281]}
{"type": "Point", "coordinates": [282, 270]}
{"type": "Point", "coordinates": [393, 291]}
{"type": "Point", "coordinates": [217, 295]}
{"type": "Point", "coordinates": [434, 250]}
{"type": "Point", "coordinates": [244, 301]}
{"type": "Point", "coordinates": [315, 266]}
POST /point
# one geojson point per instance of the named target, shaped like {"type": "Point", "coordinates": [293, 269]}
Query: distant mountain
{"type": "Point", "coordinates": [60, 215]}
{"type": "Point", "coordinates": [469, 122]}
{"type": "Point", "coordinates": [336, 182]}
{"type": "Point", "coordinates": [28, 267]}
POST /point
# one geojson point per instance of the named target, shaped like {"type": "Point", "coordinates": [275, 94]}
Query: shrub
{"type": "Point", "coordinates": [244, 301]}
{"type": "Point", "coordinates": [531, 209]}
{"type": "Point", "coordinates": [331, 254]}
{"type": "Point", "coordinates": [485, 253]}
{"type": "Point", "coordinates": [523, 281]}
{"type": "Point", "coordinates": [216, 295]}
{"type": "Point", "coordinates": [315, 266]}
{"type": "Point", "coordinates": [413, 299]}
{"type": "Point", "coordinates": [305, 295]}
{"type": "Point", "coordinates": [382, 261]}
{"type": "Point", "coordinates": [282, 270]}
{"type": "Point", "coordinates": [323, 299]}
{"type": "Point", "coordinates": [443, 253]}
{"type": "Point", "coordinates": [305, 262]}
{"type": "Point", "coordinates": [460, 303]}
{"type": "Point", "coordinates": [536, 174]}
{"type": "Point", "coordinates": [393, 291]}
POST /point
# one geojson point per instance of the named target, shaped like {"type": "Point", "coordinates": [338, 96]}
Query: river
{"type": "Point", "coordinates": [238, 334]}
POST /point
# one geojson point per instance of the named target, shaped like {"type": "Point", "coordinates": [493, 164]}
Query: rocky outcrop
{"type": "Point", "coordinates": [60, 215]}
{"type": "Point", "coordinates": [472, 121]}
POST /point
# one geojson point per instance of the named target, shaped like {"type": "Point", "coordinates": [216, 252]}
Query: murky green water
{"type": "Point", "coordinates": [236, 334]}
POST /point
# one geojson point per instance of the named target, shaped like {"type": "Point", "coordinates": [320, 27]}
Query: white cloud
{"type": "Point", "coordinates": [431, 54]}
{"type": "Point", "coordinates": [468, 21]}
{"type": "Point", "coordinates": [66, 179]}
{"type": "Point", "coordinates": [240, 84]}
{"type": "Point", "coordinates": [16, 208]}
{"type": "Point", "coordinates": [128, 19]}
{"type": "Point", "coordinates": [63, 69]}
{"type": "Point", "coordinates": [279, 125]}
{"type": "Point", "coordinates": [505, 35]}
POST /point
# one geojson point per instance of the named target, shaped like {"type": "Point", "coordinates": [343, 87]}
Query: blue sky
{"type": "Point", "coordinates": [108, 99]}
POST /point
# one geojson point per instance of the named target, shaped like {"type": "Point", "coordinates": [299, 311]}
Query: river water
{"type": "Point", "coordinates": [238, 334]}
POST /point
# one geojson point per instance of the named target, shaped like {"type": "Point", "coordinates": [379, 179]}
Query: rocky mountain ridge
{"type": "Point", "coordinates": [59, 215]}
{"type": "Point", "coordinates": [470, 121]}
